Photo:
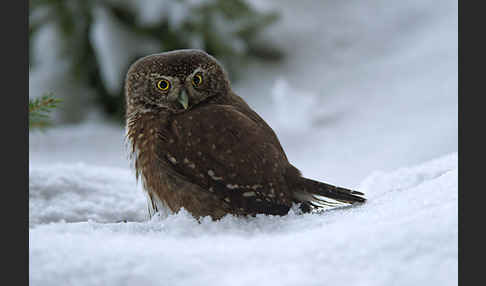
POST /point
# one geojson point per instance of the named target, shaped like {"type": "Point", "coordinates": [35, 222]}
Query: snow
{"type": "Point", "coordinates": [406, 234]}
{"type": "Point", "coordinates": [384, 81]}
{"type": "Point", "coordinates": [115, 47]}
{"type": "Point", "coordinates": [367, 99]}
{"type": "Point", "coordinates": [80, 192]}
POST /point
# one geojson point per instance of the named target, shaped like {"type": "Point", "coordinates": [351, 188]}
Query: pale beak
{"type": "Point", "coordinates": [183, 99]}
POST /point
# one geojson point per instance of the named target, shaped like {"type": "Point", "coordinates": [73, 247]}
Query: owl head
{"type": "Point", "coordinates": [174, 81]}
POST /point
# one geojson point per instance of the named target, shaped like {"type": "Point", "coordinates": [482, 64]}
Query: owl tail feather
{"type": "Point", "coordinates": [319, 194]}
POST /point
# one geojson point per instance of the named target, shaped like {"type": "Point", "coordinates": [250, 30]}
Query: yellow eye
{"type": "Point", "coordinates": [163, 84]}
{"type": "Point", "coordinates": [197, 80]}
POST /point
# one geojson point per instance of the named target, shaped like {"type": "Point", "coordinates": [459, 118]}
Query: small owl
{"type": "Point", "coordinates": [197, 145]}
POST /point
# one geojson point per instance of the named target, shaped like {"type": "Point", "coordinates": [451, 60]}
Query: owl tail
{"type": "Point", "coordinates": [319, 194]}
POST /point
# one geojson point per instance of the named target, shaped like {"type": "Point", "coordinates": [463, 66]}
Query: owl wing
{"type": "Point", "coordinates": [229, 154]}
{"type": "Point", "coordinates": [243, 107]}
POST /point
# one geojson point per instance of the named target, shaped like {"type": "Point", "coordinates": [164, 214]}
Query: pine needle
{"type": "Point", "coordinates": [39, 109]}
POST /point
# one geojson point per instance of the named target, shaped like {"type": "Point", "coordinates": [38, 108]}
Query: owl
{"type": "Point", "coordinates": [197, 145]}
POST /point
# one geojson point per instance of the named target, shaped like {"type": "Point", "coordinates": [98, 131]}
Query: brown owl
{"type": "Point", "coordinates": [199, 146]}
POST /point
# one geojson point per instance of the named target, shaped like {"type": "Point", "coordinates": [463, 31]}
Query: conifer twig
{"type": "Point", "coordinates": [39, 109]}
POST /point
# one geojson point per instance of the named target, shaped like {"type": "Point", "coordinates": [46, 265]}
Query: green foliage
{"type": "Point", "coordinates": [39, 109]}
{"type": "Point", "coordinates": [227, 29]}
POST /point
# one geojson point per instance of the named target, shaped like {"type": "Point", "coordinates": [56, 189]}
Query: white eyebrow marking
{"type": "Point", "coordinates": [198, 69]}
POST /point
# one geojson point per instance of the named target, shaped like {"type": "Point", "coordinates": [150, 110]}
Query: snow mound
{"type": "Point", "coordinates": [406, 234]}
{"type": "Point", "coordinates": [80, 192]}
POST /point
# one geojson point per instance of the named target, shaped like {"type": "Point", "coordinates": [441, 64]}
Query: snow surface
{"type": "Point", "coordinates": [406, 234]}
{"type": "Point", "coordinates": [366, 99]}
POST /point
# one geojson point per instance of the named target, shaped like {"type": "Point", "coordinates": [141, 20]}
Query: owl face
{"type": "Point", "coordinates": [174, 81]}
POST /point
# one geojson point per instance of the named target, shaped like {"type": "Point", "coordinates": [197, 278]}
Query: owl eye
{"type": "Point", "coordinates": [163, 84]}
{"type": "Point", "coordinates": [197, 80]}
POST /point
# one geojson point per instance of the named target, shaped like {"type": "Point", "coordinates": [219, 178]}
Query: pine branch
{"type": "Point", "coordinates": [39, 109]}
{"type": "Point", "coordinates": [230, 30]}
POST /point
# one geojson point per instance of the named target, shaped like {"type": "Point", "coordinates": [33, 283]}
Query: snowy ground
{"type": "Point", "coordinates": [405, 235]}
{"type": "Point", "coordinates": [369, 103]}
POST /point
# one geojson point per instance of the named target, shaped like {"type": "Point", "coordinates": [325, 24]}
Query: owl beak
{"type": "Point", "coordinates": [183, 99]}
